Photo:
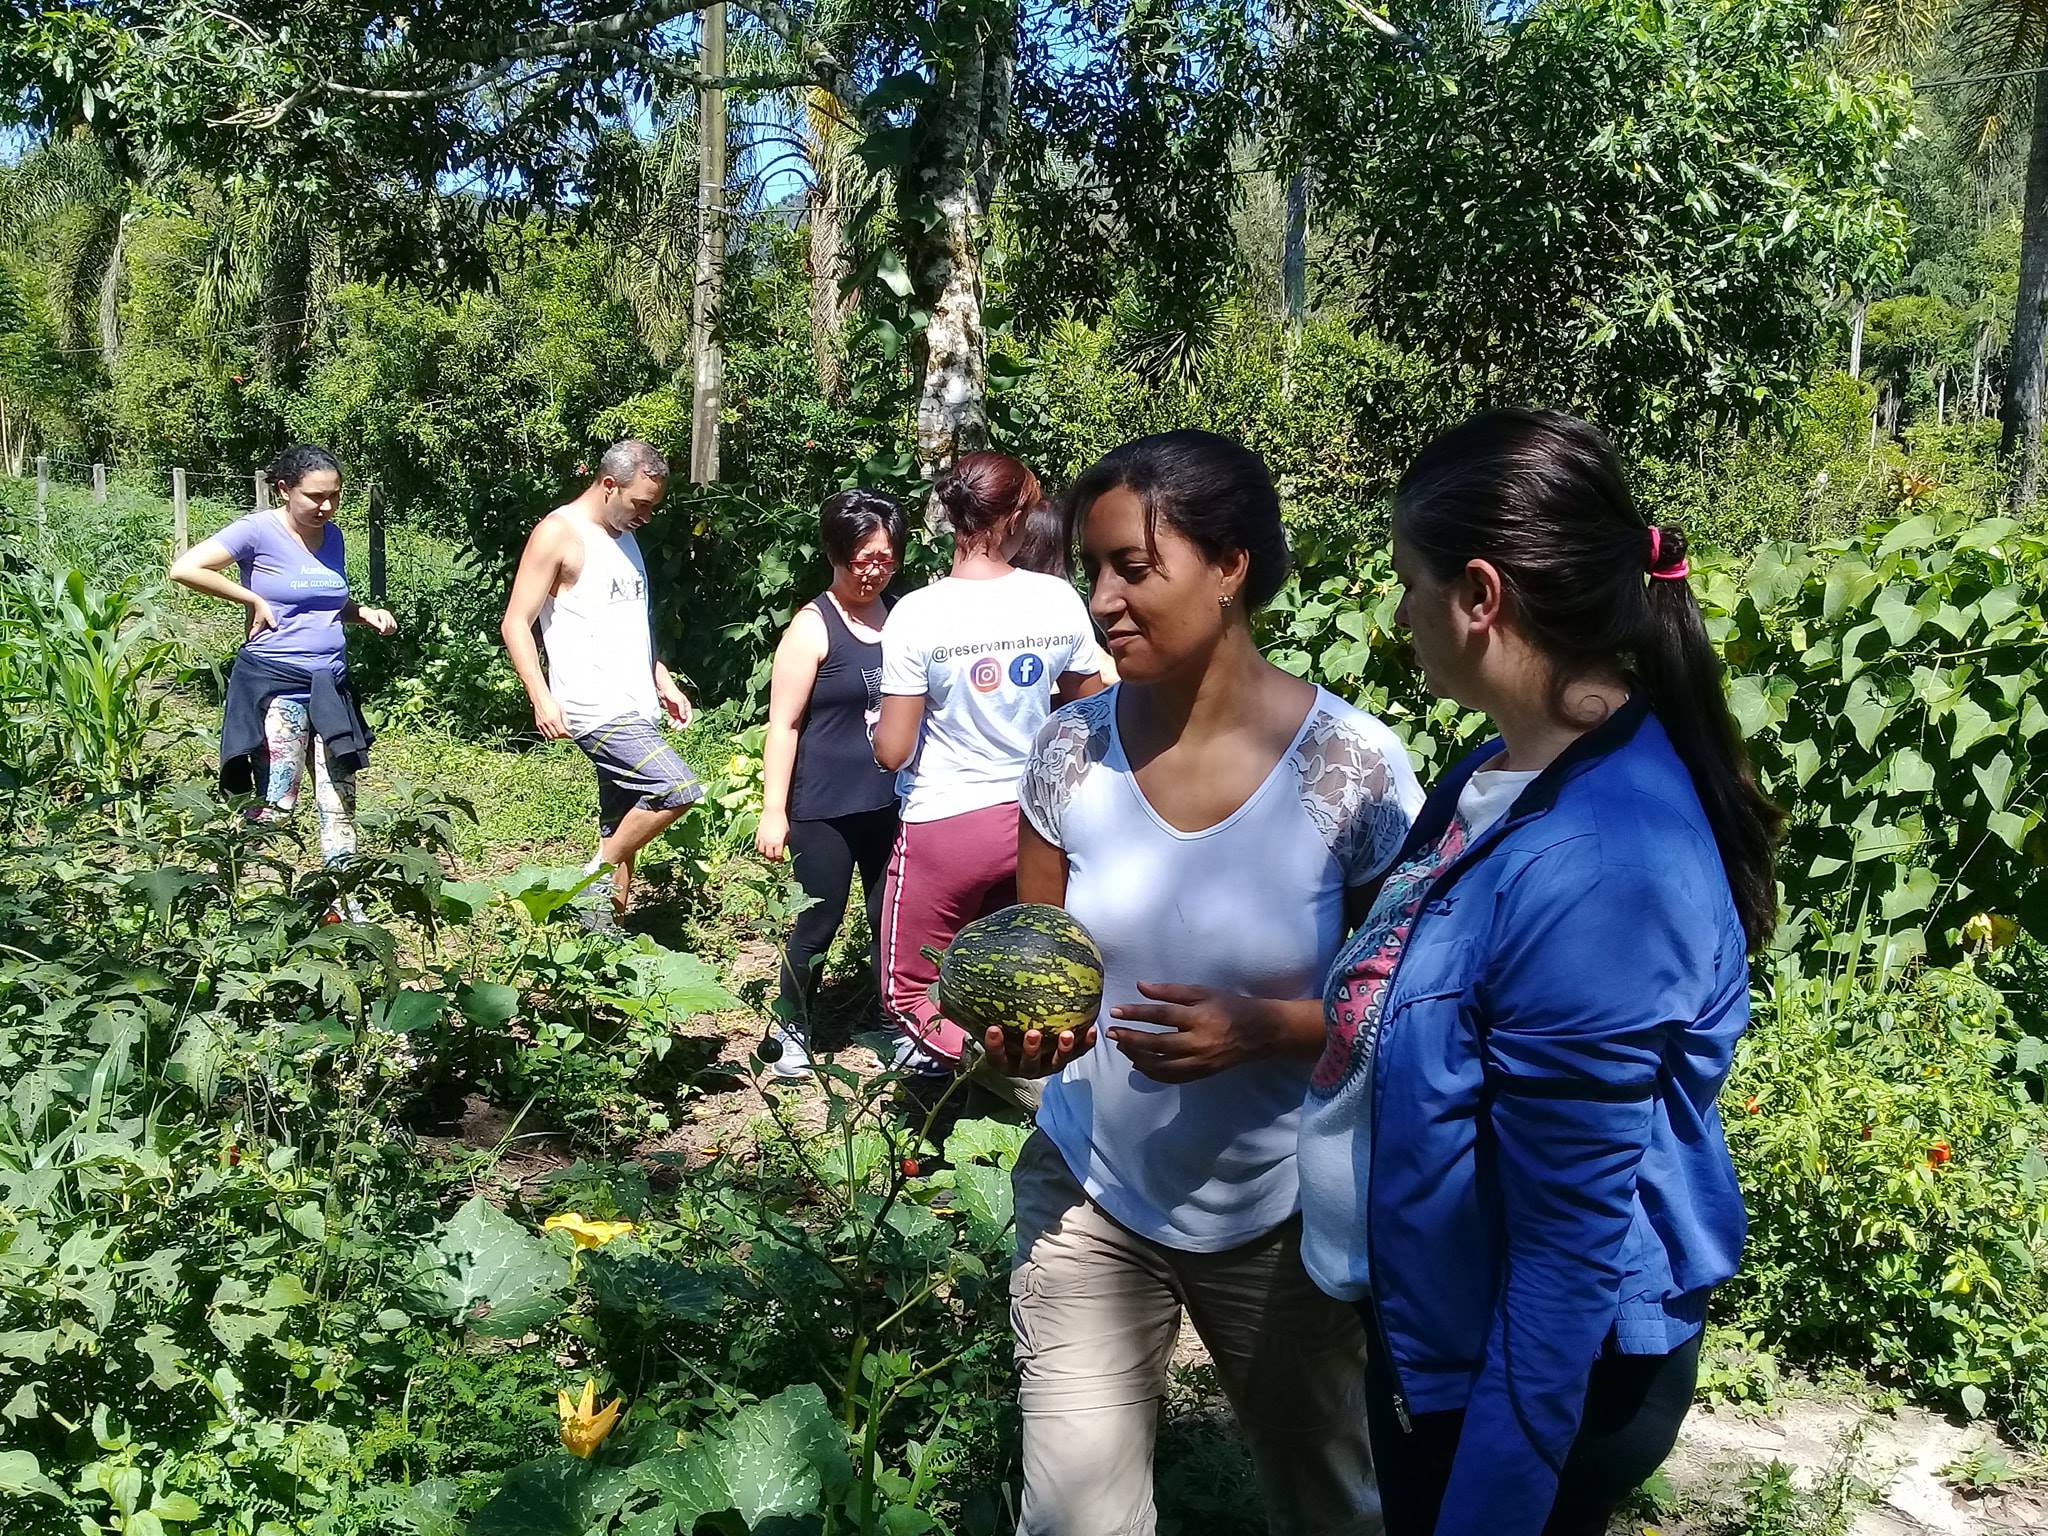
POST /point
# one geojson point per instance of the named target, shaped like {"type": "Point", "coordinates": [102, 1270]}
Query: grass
{"type": "Point", "coordinates": [532, 807]}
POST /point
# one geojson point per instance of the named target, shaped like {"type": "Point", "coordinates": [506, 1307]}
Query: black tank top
{"type": "Point", "coordinates": [835, 772]}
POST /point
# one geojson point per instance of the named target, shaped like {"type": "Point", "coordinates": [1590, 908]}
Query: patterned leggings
{"type": "Point", "coordinates": [288, 735]}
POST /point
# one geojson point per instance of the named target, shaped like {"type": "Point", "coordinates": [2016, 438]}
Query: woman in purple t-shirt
{"type": "Point", "coordinates": [288, 696]}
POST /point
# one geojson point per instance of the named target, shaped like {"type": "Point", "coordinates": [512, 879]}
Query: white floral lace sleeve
{"type": "Point", "coordinates": [1358, 796]}
{"type": "Point", "coordinates": [1068, 745]}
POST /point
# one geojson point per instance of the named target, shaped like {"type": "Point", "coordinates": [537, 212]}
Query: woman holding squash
{"type": "Point", "coordinates": [1527, 1037]}
{"type": "Point", "coordinates": [1211, 821]}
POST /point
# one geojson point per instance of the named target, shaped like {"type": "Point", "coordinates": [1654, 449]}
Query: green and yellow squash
{"type": "Point", "coordinates": [1029, 966]}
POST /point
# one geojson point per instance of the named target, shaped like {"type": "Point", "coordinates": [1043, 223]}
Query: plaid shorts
{"type": "Point", "coordinates": [636, 767]}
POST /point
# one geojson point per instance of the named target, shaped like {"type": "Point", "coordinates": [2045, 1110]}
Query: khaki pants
{"type": "Point", "coordinates": [1096, 1309]}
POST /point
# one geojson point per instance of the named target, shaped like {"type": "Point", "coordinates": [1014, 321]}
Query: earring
{"type": "Point", "coordinates": [1226, 599]}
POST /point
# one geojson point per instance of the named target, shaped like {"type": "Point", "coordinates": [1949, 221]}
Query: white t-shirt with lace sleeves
{"type": "Point", "coordinates": [986, 655]}
{"type": "Point", "coordinates": [1252, 905]}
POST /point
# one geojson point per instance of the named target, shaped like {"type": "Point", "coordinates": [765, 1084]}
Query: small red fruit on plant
{"type": "Point", "coordinates": [910, 1167]}
{"type": "Point", "coordinates": [1866, 1133]}
{"type": "Point", "coordinates": [1937, 1154]}
{"type": "Point", "coordinates": [1753, 1107]}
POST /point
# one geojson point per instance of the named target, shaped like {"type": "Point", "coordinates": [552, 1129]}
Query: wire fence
{"type": "Point", "coordinates": [50, 471]}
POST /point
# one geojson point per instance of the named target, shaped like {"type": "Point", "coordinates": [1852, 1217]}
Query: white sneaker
{"type": "Point", "coordinates": [795, 1060]}
{"type": "Point", "coordinates": [592, 907]}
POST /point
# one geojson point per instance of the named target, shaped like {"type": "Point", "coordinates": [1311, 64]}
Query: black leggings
{"type": "Point", "coordinates": [824, 855]}
{"type": "Point", "coordinates": [1634, 1406]}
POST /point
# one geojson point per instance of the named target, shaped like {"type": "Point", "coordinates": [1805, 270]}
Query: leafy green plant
{"type": "Point", "coordinates": [1985, 1469]}
{"type": "Point", "coordinates": [1888, 686]}
{"type": "Point", "coordinates": [872, 1290]}
{"type": "Point", "coordinates": [1772, 1503]}
{"type": "Point", "coordinates": [1896, 1171]}
{"type": "Point", "coordinates": [545, 1014]}
{"type": "Point", "coordinates": [75, 668]}
{"type": "Point", "coordinates": [1691, 177]}
{"type": "Point", "coordinates": [1737, 1369]}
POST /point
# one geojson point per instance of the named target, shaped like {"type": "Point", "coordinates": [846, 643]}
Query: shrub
{"type": "Point", "coordinates": [1887, 683]}
{"type": "Point", "coordinates": [1893, 1161]}
{"type": "Point", "coordinates": [472, 416]}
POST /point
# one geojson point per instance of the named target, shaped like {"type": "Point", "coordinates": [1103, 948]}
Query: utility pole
{"type": "Point", "coordinates": [707, 388]}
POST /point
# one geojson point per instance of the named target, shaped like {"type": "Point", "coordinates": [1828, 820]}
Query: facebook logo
{"type": "Point", "coordinates": [1026, 670]}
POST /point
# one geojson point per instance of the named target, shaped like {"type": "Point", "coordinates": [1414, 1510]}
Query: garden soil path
{"type": "Point", "coordinates": [1898, 1457]}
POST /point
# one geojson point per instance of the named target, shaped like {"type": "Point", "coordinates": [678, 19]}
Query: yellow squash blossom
{"type": "Point", "coordinates": [588, 1234]}
{"type": "Point", "coordinates": [1987, 930]}
{"type": "Point", "coordinates": [583, 1425]}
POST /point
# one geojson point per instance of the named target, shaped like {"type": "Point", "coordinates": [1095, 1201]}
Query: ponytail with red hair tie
{"type": "Point", "coordinates": [1679, 568]}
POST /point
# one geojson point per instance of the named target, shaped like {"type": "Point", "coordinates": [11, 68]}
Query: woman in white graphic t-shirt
{"type": "Point", "coordinates": [1215, 823]}
{"type": "Point", "coordinates": [969, 665]}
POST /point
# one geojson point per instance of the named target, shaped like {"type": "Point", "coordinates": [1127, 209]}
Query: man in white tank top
{"type": "Point", "coordinates": [583, 581]}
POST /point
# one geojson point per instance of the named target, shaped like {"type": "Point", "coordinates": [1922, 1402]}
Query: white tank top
{"type": "Point", "coordinates": [600, 654]}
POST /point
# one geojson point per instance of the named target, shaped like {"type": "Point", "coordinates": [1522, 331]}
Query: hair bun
{"type": "Point", "coordinates": [981, 489]}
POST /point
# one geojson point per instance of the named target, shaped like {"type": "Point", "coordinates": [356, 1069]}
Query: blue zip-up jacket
{"type": "Point", "coordinates": [1548, 1172]}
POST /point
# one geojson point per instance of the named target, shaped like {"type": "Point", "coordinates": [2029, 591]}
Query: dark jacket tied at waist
{"type": "Point", "coordinates": [331, 707]}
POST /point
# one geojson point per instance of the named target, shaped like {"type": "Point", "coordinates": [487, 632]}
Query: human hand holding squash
{"type": "Point", "coordinates": [1027, 982]}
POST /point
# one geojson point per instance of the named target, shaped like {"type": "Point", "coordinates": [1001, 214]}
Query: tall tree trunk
{"type": "Point", "coordinates": [1856, 339]}
{"type": "Point", "coordinates": [2021, 442]}
{"type": "Point", "coordinates": [1294, 250]}
{"type": "Point", "coordinates": [1294, 232]}
{"type": "Point", "coordinates": [706, 351]}
{"type": "Point", "coordinates": [966, 132]}
{"type": "Point", "coordinates": [828, 271]}
{"type": "Point", "coordinates": [287, 289]}
{"type": "Point", "coordinates": [110, 296]}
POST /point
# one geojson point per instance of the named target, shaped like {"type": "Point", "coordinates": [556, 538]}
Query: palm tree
{"type": "Point", "coordinates": [651, 241]}
{"type": "Point", "coordinates": [267, 266]}
{"type": "Point", "coordinates": [1999, 50]}
{"type": "Point", "coordinates": [68, 206]}
{"type": "Point", "coordinates": [837, 182]}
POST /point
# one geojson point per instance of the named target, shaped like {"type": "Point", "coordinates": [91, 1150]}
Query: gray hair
{"type": "Point", "coordinates": [628, 459]}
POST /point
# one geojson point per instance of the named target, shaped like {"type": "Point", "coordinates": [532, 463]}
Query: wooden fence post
{"type": "Point", "coordinates": [181, 527]}
{"type": "Point", "coordinates": [262, 492]}
{"type": "Point", "coordinates": [376, 511]}
{"type": "Point", "coordinates": [42, 490]}
{"type": "Point", "coordinates": [99, 484]}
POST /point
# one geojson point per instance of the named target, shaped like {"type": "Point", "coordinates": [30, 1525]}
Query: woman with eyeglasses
{"type": "Point", "coordinates": [825, 801]}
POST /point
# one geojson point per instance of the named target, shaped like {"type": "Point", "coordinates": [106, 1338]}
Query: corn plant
{"type": "Point", "coordinates": [82, 679]}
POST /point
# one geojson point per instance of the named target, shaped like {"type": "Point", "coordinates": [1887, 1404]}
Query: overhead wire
{"type": "Point", "coordinates": [2004, 74]}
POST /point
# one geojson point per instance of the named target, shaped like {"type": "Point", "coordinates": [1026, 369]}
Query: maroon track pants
{"type": "Point", "coordinates": [942, 875]}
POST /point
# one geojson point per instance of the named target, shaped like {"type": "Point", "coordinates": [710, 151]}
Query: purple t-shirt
{"type": "Point", "coordinates": [306, 592]}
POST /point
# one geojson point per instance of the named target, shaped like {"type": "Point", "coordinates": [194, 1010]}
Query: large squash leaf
{"type": "Point", "coordinates": [494, 1275]}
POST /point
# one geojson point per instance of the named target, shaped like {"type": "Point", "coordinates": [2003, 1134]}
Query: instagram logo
{"type": "Point", "coordinates": [986, 674]}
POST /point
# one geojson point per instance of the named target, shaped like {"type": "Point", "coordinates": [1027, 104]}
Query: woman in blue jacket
{"type": "Point", "coordinates": [1511, 1157]}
